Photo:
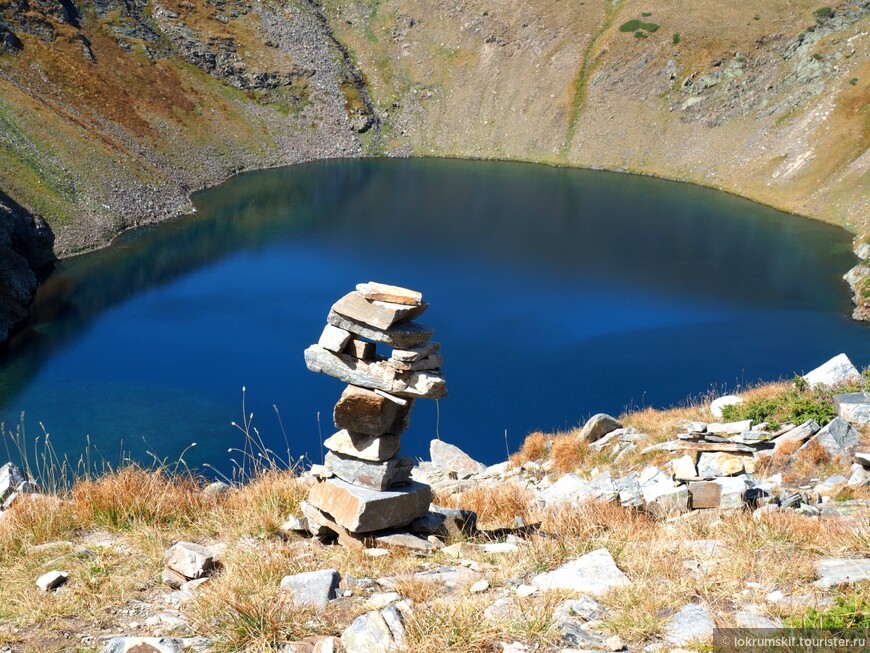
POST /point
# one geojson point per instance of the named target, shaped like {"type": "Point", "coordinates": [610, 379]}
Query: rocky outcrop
{"type": "Point", "coordinates": [25, 256]}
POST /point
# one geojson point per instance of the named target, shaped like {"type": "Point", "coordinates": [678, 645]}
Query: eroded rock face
{"type": "Point", "coordinates": [26, 253]}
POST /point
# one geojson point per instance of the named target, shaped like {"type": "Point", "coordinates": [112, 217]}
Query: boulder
{"type": "Point", "coordinates": [383, 292]}
{"type": "Point", "coordinates": [712, 464]}
{"type": "Point", "coordinates": [401, 336]}
{"type": "Point", "coordinates": [451, 458]}
{"type": "Point", "coordinates": [144, 645]}
{"type": "Point", "coordinates": [837, 439]}
{"type": "Point", "coordinates": [312, 588]}
{"type": "Point", "coordinates": [362, 510]}
{"type": "Point", "coordinates": [693, 623]}
{"type": "Point", "coordinates": [369, 633]}
{"type": "Point", "coordinates": [572, 488]}
{"type": "Point", "coordinates": [376, 313]}
{"type": "Point", "coordinates": [832, 572]}
{"type": "Point", "coordinates": [597, 427]}
{"type": "Point", "coordinates": [837, 371]}
{"type": "Point", "coordinates": [365, 447]}
{"type": "Point", "coordinates": [191, 560]}
{"type": "Point", "coordinates": [376, 475]}
{"type": "Point", "coordinates": [595, 573]}
{"type": "Point", "coordinates": [371, 413]}
{"type": "Point", "coordinates": [854, 407]}
{"type": "Point", "coordinates": [717, 405]}
{"type": "Point", "coordinates": [52, 580]}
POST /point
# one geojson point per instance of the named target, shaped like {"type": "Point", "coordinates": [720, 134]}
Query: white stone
{"type": "Point", "coordinates": [52, 580]}
{"type": "Point", "coordinates": [837, 571]}
{"type": "Point", "coordinates": [693, 623]}
{"type": "Point", "coordinates": [752, 618]}
{"type": "Point", "coordinates": [837, 371]}
{"type": "Point", "coordinates": [854, 407]}
{"type": "Point", "coordinates": [479, 586]}
{"type": "Point", "coordinates": [717, 405]}
{"type": "Point", "coordinates": [594, 573]}
{"type": "Point", "coordinates": [729, 428]}
{"type": "Point", "coordinates": [683, 468]}
{"type": "Point", "coordinates": [451, 458]}
{"type": "Point", "coordinates": [500, 547]}
{"type": "Point", "coordinates": [526, 590]}
{"type": "Point", "coordinates": [312, 588]}
{"type": "Point", "coordinates": [369, 633]}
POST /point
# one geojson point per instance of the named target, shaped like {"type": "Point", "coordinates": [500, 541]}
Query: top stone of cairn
{"type": "Point", "coordinates": [379, 314]}
{"type": "Point", "coordinates": [382, 292]}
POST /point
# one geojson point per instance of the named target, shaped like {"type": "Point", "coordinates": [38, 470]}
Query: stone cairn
{"type": "Point", "coordinates": [364, 489]}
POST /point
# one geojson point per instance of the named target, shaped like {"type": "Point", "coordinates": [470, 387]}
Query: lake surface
{"type": "Point", "coordinates": [555, 293]}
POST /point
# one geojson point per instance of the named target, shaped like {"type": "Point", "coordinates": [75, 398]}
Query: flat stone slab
{"type": "Point", "coordinates": [837, 371]}
{"type": "Point", "coordinates": [377, 314]}
{"type": "Point", "coordinates": [403, 336]}
{"type": "Point", "coordinates": [723, 464]}
{"type": "Point", "coordinates": [412, 354]}
{"type": "Point", "coordinates": [797, 435]}
{"type": "Point", "coordinates": [375, 375]}
{"type": "Point", "coordinates": [374, 291]}
{"type": "Point", "coordinates": [729, 428]}
{"type": "Point", "coordinates": [374, 475]}
{"type": "Point", "coordinates": [595, 573]}
{"type": "Point", "coordinates": [52, 580]}
{"type": "Point", "coordinates": [854, 407]}
{"type": "Point", "coordinates": [430, 362]}
{"type": "Point", "coordinates": [312, 588]}
{"type": "Point", "coordinates": [365, 447]}
{"type": "Point", "coordinates": [365, 411]}
{"type": "Point", "coordinates": [837, 571]}
{"type": "Point", "coordinates": [362, 510]}
{"type": "Point", "coordinates": [191, 560]}
{"type": "Point", "coordinates": [837, 439]}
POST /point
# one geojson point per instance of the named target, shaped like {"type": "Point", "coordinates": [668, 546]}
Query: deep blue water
{"type": "Point", "coordinates": [555, 293]}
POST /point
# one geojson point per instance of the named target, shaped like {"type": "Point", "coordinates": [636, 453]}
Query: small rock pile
{"type": "Point", "coordinates": [365, 487]}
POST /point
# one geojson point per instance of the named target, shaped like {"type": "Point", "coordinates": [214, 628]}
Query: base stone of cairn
{"type": "Point", "coordinates": [370, 490]}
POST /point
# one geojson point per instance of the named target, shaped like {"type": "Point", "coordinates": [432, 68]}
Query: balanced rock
{"type": "Point", "coordinates": [403, 336]}
{"type": "Point", "coordinates": [597, 427]}
{"type": "Point", "coordinates": [366, 447]}
{"type": "Point", "coordinates": [312, 588]}
{"type": "Point", "coordinates": [451, 458]}
{"type": "Point", "coordinates": [375, 475]}
{"type": "Point", "coordinates": [378, 314]}
{"type": "Point", "coordinates": [363, 510]}
{"type": "Point", "coordinates": [372, 413]}
{"type": "Point", "coordinates": [383, 292]}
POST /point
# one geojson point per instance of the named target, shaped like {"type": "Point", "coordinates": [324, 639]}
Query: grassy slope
{"type": "Point", "coordinates": [558, 82]}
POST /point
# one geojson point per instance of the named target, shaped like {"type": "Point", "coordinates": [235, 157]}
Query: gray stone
{"type": "Point", "coordinates": [402, 540]}
{"type": "Point", "coordinates": [837, 439]}
{"type": "Point", "coordinates": [369, 633]}
{"type": "Point", "coordinates": [374, 291]}
{"type": "Point", "coordinates": [629, 491]}
{"type": "Point", "coordinates": [372, 413]}
{"type": "Point", "coordinates": [859, 478]}
{"type": "Point", "coordinates": [375, 475]}
{"type": "Point", "coordinates": [457, 521]}
{"type": "Point", "coordinates": [585, 608]}
{"type": "Point", "coordinates": [145, 645]}
{"type": "Point", "coordinates": [366, 447]}
{"type": "Point", "coordinates": [362, 510]}
{"type": "Point", "coordinates": [412, 354]}
{"type": "Point", "coordinates": [191, 560]}
{"type": "Point", "coordinates": [733, 491]}
{"type": "Point", "coordinates": [333, 338]}
{"type": "Point", "coordinates": [377, 314]}
{"type": "Point", "coordinates": [431, 362]}
{"type": "Point", "coordinates": [729, 428]}
{"type": "Point", "coordinates": [315, 527]}
{"type": "Point", "coordinates": [674, 501]}
{"type": "Point", "coordinates": [693, 623]}
{"type": "Point", "coordinates": [597, 427]}
{"type": "Point", "coordinates": [431, 523]}
{"type": "Point", "coordinates": [451, 458]}
{"type": "Point", "coordinates": [401, 336]}
{"type": "Point", "coordinates": [10, 478]}
{"type": "Point", "coordinates": [392, 615]}
{"type": "Point", "coordinates": [752, 619]}
{"type": "Point", "coordinates": [839, 571]}
{"type": "Point", "coordinates": [863, 459]}
{"type": "Point", "coordinates": [595, 573]}
{"type": "Point", "coordinates": [52, 580]}
{"type": "Point", "coordinates": [831, 485]}
{"type": "Point", "coordinates": [854, 407]}
{"type": "Point", "coordinates": [216, 489]}
{"type": "Point", "coordinates": [799, 434]}
{"type": "Point", "coordinates": [376, 375]}
{"type": "Point", "coordinates": [451, 577]}
{"type": "Point", "coordinates": [572, 488]}
{"type": "Point", "coordinates": [312, 588]}
{"type": "Point", "coordinates": [837, 371]}
{"type": "Point", "coordinates": [296, 524]}
{"type": "Point", "coordinates": [717, 405]}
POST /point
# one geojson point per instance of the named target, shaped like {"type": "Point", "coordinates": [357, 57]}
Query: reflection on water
{"type": "Point", "coordinates": [555, 293]}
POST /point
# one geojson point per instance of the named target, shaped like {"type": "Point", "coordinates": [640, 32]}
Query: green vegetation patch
{"type": "Point", "coordinates": [637, 25]}
{"type": "Point", "coordinates": [795, 406]}
{"type": "Point", "coordinates": [823, 12]}
{"type": "Point", "coordinates": [675, 39]}
{"type": "Point", "coordinates": [849, 612]}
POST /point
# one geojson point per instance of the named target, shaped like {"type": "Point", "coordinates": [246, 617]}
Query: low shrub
{"type": "Point", "coordinates": [822, 13]}
{"type": "Point", "coordinates": [795, 406]}
{"type": "Point", "coordinates": [675, 39]}
{"type": "Point", "coordinates": [635, 25]}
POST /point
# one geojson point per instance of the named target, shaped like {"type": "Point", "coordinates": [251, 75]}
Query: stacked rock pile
{"type": "Point", "coordinates": [366, 486]}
